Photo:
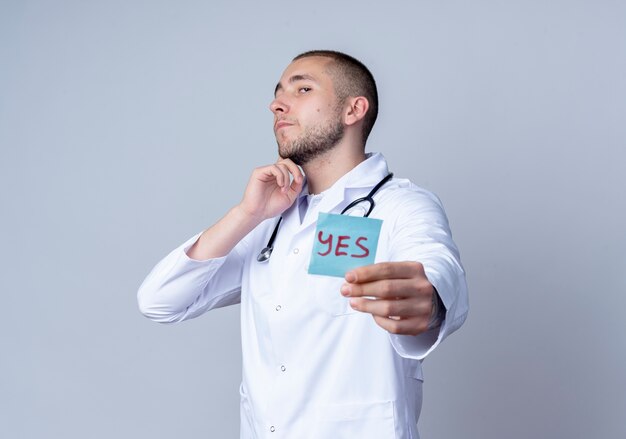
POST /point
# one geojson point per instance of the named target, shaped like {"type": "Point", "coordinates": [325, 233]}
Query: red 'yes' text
{"type": "Point", "coordinates": [340, 244]}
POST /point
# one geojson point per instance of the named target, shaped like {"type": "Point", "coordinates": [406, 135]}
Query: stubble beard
{"type": "Point", "coordinates": [312, 143]}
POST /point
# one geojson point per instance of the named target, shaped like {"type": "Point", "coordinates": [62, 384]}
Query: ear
{"type": "Point", "coordinates": [355, 110]}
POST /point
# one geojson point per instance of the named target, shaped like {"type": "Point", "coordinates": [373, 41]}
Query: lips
{"type": "Point", "coordinates": [281, 124]}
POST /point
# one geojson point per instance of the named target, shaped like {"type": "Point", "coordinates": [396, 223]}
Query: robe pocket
{"type": "Point", "coordinates": [362, 420]}
{"type": "Point", "coordinates": [325, 289]}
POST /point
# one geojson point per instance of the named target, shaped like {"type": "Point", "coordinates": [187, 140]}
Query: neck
{"type": "Point", "coordinates": [323, 171]}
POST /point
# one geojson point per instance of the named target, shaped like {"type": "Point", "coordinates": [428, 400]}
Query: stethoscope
{"type": "Point", "coordinates": [267, 251]}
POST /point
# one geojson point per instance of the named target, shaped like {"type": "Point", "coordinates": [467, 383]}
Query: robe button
{"type": "Point", "coordinates": [272, 429]}
{"type": "Point", "coordinates": [296, 251]}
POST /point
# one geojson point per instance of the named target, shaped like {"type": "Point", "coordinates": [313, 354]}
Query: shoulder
{"type": "Point", "coordinates": [414, 221]}
{"type": "Point", "coordinates": [401, 196]}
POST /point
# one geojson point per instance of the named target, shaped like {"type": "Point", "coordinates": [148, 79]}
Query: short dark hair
{"type": "Point", "coordinates": [351, 78]}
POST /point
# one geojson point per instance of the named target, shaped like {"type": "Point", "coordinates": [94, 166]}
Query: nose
{"type": "Point", "coordinates": [278, 105]}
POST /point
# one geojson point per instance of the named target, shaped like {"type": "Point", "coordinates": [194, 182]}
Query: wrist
{"type": "Point", "coordinates": [438, 312]}
{"type": "Point", "coordinates": [245, 216]}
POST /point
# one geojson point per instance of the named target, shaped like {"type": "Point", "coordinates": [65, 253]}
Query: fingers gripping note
{"type": "Point", "coordinates": [397, 294]}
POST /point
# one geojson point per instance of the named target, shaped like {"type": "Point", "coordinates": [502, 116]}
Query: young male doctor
{"type": "Point", "coordinates": [324, 357]}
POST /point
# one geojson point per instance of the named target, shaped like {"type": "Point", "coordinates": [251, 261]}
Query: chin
{"type": "Point", "coordinates": [284, 149]}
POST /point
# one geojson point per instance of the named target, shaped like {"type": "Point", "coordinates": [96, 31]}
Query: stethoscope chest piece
{"type": "Point", "coordinates": [267, 251]}
{"type": "Point", "coordinates": [265, 254]}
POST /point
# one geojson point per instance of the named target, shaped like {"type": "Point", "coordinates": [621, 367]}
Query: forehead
{"type": "Point", "coordinates": [314, 66]}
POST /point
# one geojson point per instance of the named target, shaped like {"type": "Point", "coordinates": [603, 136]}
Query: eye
{"type": "Point", "coordinates": [304, 89]}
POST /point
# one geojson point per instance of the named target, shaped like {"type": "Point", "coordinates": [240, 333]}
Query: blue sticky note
{"type": "Point", "coordinates": [343, 242]}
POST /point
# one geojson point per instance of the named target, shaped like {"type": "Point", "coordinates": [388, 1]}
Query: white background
{"type": "Point", "coordinates": [128, 126]}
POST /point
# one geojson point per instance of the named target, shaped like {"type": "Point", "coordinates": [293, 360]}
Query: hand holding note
{"type": "Point", "coordinates": [403, 296]}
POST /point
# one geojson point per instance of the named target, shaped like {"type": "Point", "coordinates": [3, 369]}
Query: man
{"type": "Point", "coordinates": [323, 356]}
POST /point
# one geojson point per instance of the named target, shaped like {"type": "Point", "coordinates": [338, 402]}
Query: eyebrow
{"type": "Point", "coordinates": [293, 79]}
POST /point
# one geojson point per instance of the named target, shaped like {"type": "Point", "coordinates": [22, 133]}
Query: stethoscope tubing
{"type": "Point", "coordinates": [265, 254]}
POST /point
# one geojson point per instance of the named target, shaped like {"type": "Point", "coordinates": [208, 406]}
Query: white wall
{"type": "Point", "coordinates": [128, 126]}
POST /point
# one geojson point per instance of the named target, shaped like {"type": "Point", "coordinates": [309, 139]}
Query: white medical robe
{"type": "Point", "coordinates": [312, 366]}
